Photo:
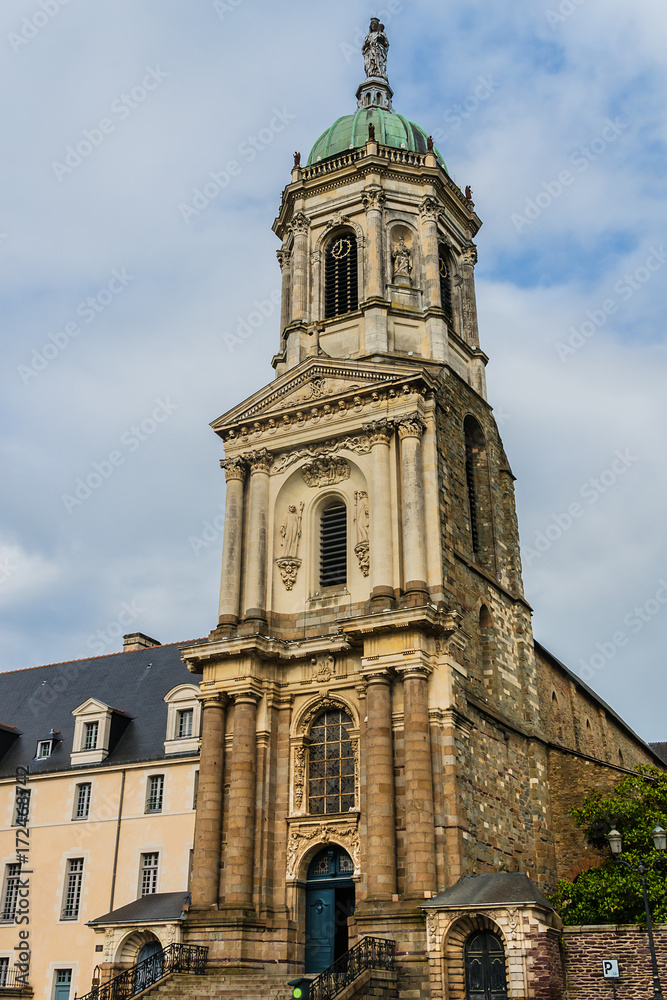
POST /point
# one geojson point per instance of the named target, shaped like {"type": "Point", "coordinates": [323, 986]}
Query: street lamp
{"type": "Point", "coordinates": [616, 845]}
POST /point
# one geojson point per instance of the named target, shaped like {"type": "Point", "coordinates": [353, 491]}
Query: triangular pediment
{"type": "Point", "coordinates": [315, 381]}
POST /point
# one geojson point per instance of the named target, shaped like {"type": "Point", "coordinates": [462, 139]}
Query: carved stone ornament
{"type": "Point", "coordinates": [300, 224]}
{"type": "Point", "coordinates": [513, 921]}
{"type": "Point", "coordinates": [379, 431]}
{"type": "Point", "coordinates": [429, 209]}
{"type": "Point", "coordinates": [260, 460]}
{"type": "Point", "coordinates": [325, 471]}
{"type": "Point", "coordinates": [324, 667]}
{"type": "Point", "coordinates": [360, 445]}
{"type": "Point", "coordinates": [321, 705]}
{"type": "Point", "coordinates": [411, 426]}
{"type": "Point", "coordinates": [469, 255]}
{"type": "Point", "coordinates": [109, 944]}
{"type": "Point", "coordinates": [289, 569]}
{"type": "Point", "coordinates": [373, 198]}
{"type": "Point", "coordinates": [432, 931]}
{"type": "Point", "coordinates": [346, 836]}
{"type": "Point", "coordinates": [363, 554]}
{"type": "Point", "coordinates": [284, 257]}
{"type": "Point", "coordinates": [299, 775]}
{"type": "Point", "coordinates": [290, 531]}
{"type": "Point", "coordinates": [362, 521]}
{"type": "Point", "coordinates": [234, 468]}
{"type": "Point", "coordinates": [337, 220]}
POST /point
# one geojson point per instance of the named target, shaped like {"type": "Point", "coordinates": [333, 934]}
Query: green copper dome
{"type": "Point", "coordinates": [351, 132]}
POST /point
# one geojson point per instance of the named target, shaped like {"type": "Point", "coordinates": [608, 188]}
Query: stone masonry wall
{"type": "Point", "coordinates": [586, 947]}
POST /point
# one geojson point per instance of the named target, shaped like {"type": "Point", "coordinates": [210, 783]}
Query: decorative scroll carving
{"type": "Point", "coordinates": [469, 255]}
{"type": "Point", "coordinates": [260, 460]}
{"type": "Point", "coordinates": [346, 836]}
{"type": "Point", "coordinates": [289, 570]}
{"type": "Point", "coordinates": [108, 944]}
{"type": "Point", "coordinates": [429, 209]}
{"type": "Point", "coordinates": [321, 705]}
{"type": "Point", "coordinates": [299, 775]}
{"type": "Point", "coordinates": [325, 471]}
{"type": "Point", "coordinates": [411, 426]}
{"type": "Point", "coordinates": [432, 931]}
{"type": "Point", "coordinates": [360, 445]}
{"type": "Point", "coordinates": [337, 220]}
{"type": "Point", "coordinates": [363, 554]}
{"type": "Point", "coordinates": [324, 667]}
{"type": "Point", "coordinates": [513, 920]}
{"type": "Point", "coordinates": [234, 468]}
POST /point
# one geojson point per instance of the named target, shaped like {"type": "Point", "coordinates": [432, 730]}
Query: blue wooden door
{"type": "Point", "coordinates": [320, 928]}
{"type": "Point", "coordinates": [63, 984]}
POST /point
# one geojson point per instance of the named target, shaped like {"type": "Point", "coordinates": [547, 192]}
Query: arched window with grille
{"type": "Point", "coordinates": [333, 545]}
{"type": "Point", "coordinates": [445, 283]}
{"type": "Point", "coordinates": [340, 279]}
{"type": "Point", "coordinates": [331, 764]}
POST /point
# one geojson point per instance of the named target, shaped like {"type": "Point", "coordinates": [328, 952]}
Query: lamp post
{"type": "Point", "coordinates": [660, 841]}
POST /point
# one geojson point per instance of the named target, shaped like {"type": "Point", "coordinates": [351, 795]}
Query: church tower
{"type": "Point", "coordinates": [371, 729]}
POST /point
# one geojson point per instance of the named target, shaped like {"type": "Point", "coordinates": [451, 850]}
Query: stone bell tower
{"type": "Point", "coordinates": [369, 693]}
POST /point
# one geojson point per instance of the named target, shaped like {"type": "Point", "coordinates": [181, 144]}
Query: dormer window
{"type": "Point", "coordinates": [44, 748]}
{"type": "Point", "coordinates": [183, 720]}
{"type": "Point", "coordinates": [91, 730]}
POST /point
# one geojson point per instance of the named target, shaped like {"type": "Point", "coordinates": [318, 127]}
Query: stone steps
{"type": "Point", "coordinates": [222, 985]}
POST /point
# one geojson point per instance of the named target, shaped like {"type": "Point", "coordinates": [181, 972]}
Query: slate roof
{"type": "Point", "coordinates": [39, 699]}
{"type": "Point", "coordinates": [660, 749]}
{"type": "Point", "coordinates": [155, 907]}
{"type": "Point", "coordinates": [490, 890]}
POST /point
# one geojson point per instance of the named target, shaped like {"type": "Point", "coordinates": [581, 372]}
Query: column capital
{"type": "Point", "coordinates": [284, 257]}
{"type": "Point", "coordinates": [299, 225]}
{"type": "Point", "coordinates": [213, 699]}
{"type": "Point", "coordinates": [414, 670]}
{"type": "Point", "coordinates": [411, 426]}
{"type": "Point", "coordinates": [469, 255]}
{"type": "Point", "coordinates": [373, 198]}
{"type": "Point", "coordinates": [234, 468]}
{"type": "Point", "coordinates": [247, 697]}
{"type": "Point", "coordinates": [259, 461]}
{"type": "Point", "coordinates": [377, 675]}
{"type": "Point", "coordinates": [379, 431]}
{"type": "Point", "coordinates": [428, 210]}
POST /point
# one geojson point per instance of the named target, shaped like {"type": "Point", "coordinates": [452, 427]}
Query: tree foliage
{"type": "Point", "coordinates": [611, 894]}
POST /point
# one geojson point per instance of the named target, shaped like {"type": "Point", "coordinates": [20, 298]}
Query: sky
{"type": "Point", "coordinates": [131, 254]}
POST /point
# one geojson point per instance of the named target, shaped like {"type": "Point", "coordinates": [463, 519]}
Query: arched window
{"type": "Point", "coordinates": [445, 284]}
{"type": "Point", "coordinates": [333, 545]}
{"type": "Point", "coordinates": [479, 493]}
{"type": "Point", "coordinates": [486, 978]}
{"type": "Point", "coordinates": [331, 764]}
{"type": "Point", "coordinates": [341, 294]}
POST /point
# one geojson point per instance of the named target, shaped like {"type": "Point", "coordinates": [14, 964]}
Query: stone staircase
{"type": "Point", "coordinates": [221, 985]}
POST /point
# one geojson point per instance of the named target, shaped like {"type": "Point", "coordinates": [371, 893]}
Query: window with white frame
{"type": "Point", "coordinates": [11, 893]}
{"type": "Point", "coordinates": [154, 793]}
{"type": "Point", "coordinates": [149, 867]}
{"type": "Point", "coordinates": [22, 807]}
{"type": "Point", "coordinates": [4, 970]}
{"type": "Point", "coordinates": [82, 800]}
{"type": "Point", "coordinates": [183, 719]}
{"type": "Point", "coordinates": [43, 749]}
{"type": "Point", "coordinates": [73, 885]}
{"type": "Point", "coordinates": [90, 733]}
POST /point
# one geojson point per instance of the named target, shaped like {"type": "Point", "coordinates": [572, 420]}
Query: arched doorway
{"type": "Point", "coordinates": [329, 902]}
{"type": "Point", "coordinates": [149, 949]}
{"type": "Point", "coordinates": [485, 967]}
{"type": "Point", "coordinates": [151, 971]}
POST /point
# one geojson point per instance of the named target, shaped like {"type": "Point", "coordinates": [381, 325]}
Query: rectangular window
{"type": "Point", "coordinates": [11, 894]}
{"type": "Point", "coordinates": [22, 809]}
{"type": "Point", "coordinates": [149, 863]}
{"type": "Point", "coordinates": [73, 889]}
{"type": "Point", "coordinates": [43, 749]}
{"type": "Point", "coordinates": [154, 793]}
{"type": "Point", "coordinates": [4, 969]}
{"type": "Point", "coordinates": [82, 801]}
{"type": "Point", "coordinates": [90, 730]}
{"type": "Point", "coordinates": [185, 719]}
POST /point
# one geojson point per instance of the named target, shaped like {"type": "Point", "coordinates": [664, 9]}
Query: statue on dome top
{"type": "Point", "coordinates": [374, 49]}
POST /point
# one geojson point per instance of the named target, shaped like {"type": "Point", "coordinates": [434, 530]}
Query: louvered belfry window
{"type": "Point", "coordinates": [445, 285]}
{"type": "Point", "coordinates": [341, 292]}
{"type": "Point", "coordinates": [333, 545]}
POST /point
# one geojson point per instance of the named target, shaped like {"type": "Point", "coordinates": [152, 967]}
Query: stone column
{"type": "Point", "coordinates": [284, 257]}
{"type": "Point", "coordinates": [469, 302]}
{"type": "Point", "coordinates": [258, 521]}
{"type": "Point", "coordinates": [419, 826]}
{"type": "Point", "coordinates": [373, 199]}
{"type": "Point", "coordinates": [299, 228]}
{"type": "Point", "coordinates": [208, 819]}
{"type": "Point", "coordinates": [380, 803]}
{"type": "Point", "coordinates": [381, 551]}
{"type": "Point", "coordinates": [240, 840]}
{"type": "Point", "coordinates": [230, 584]}
{"type": "Point", "coordinates": [410, 430]}
{"type": "Point", "coordinates": [435, 322]}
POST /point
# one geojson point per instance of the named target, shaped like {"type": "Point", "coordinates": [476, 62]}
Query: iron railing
{"type": "Point", "coordinates": [174, 958]}
{"type": "Point", "coordinates": [12, 979]}
{"type": "Point", "coordinates": [369, 953]}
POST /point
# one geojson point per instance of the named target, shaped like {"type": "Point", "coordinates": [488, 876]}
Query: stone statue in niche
{"type": "Point", "coordinates": [290, 531]}
{"type": "Point", "coordinates": [362, 521]}
{"type": "Point", "coordinates": [402, 259]}
{"type": "Point", "coordinates": [375, 49]}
